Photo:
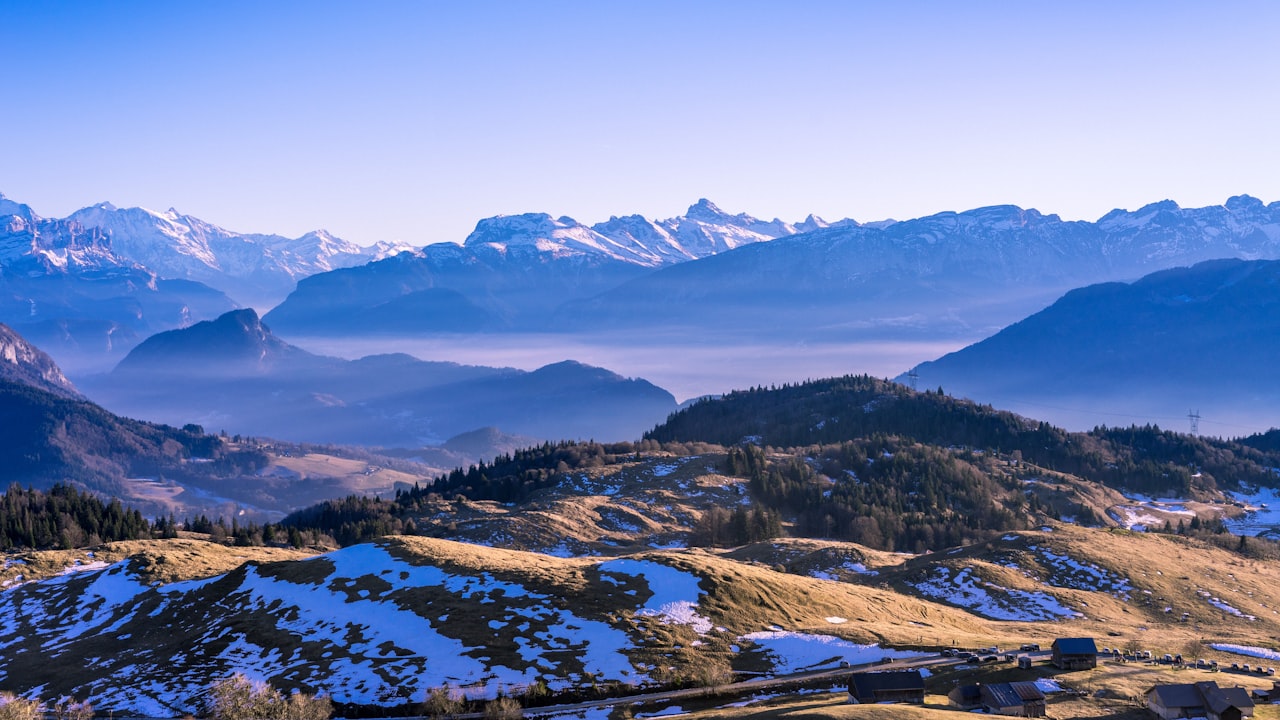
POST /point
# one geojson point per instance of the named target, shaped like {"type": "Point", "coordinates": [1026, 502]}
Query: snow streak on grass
{"type": "Point", "coordinates": [794, 652]}
{"type": "Point", "coordinates": [989, 600]}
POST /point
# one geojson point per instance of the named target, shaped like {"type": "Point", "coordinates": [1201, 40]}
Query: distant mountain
{"type": "Point", "coordinates": [235, 344]}
{"type": "Point", "coordinates": [256, 269]}
{"type": "Point", "coordinates": [52, 437]}
{"type": "Point", "coordinates": [1202, 338]}
{"type": "Point", "coordinates": [21, 362]}
{"type": "Point", "coordinates": [709, 272]}
{"type": "Point", "coordinates": [232, 373]}
{"type": "Point", "coordinates": [511, 273]}
{"type": "Point", "coordinates": [946, 273]}
{"type": "Point", "coordinates": [64, 286]}
{"type": "Point", "coordinates": [89, 286]}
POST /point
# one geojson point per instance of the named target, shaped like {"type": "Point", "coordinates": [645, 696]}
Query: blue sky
{"type": "Point", "coordinates": [411, 120]}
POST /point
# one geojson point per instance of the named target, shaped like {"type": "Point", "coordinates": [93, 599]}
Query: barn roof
{"type": "Point", "coordinates": [865, 684]}
{"type": "Point", "coordinates": [1011, 694]}
{"type": "Point", "coordinates": [1184, 695]}
{"type": "Point", "coordinates": [1076, 646]}
{"type": "Point", "coordinates": [1219, 699]}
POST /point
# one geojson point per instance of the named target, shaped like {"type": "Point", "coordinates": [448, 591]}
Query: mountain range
{"type": "Point", "coordinates": [947, 274]}
{"type": "Point", "coordinates": [1204, 338]}
{"type": "Point", "coordinates": [233, 373]}
{"type": "Point", "coordinates": [254, 268]}
{"type": "Point", "coordinates": [90, 286]}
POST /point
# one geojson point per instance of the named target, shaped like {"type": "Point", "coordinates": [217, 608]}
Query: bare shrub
{"type": "Point", "coordinates": [13, 707]}
{"type": "Point", "coordinates": [68, 709]}
{"type": "Point", "coordinates": [239, 698]}
{"type": "Point", "coordinates": [442, 702]}
{"type": "Point", "coordinates": [503, 708]}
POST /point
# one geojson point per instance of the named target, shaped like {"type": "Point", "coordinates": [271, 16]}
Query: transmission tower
{"type": "Point", "coordinates": [1194, 417]}
{"type": "Point", "coordinates": [912, 377]}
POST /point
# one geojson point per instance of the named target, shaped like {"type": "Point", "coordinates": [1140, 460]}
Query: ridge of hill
{"type": "Point", "coordinates": [1202, 337]}
{"type": "Point", "coordinates": [24, 363]}
{"type": "Point", "coordinates": [1143, 459]}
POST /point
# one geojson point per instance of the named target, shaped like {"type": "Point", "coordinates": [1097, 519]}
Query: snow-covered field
{"type": "Point", "coordinates": [793, 651]}
{"type": "Point", "coordinates": [366, 624]}
{"type": "Point", "coordinates": [675, 593]}
{"type": "Point", "coordinates": [1262, 516]}
{"type": "Point", "coordinates": [966, 590]}
{"type": "Point", "coordinates": [1248, 650]}
{"type": "Point", "coordinates": [1067, 572]}
{"type": "Point", "coordinates": [357, 626]}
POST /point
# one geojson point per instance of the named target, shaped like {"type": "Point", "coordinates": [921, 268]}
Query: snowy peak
{"type": "Point", "coordinates": [706, 211]}
{"type": "Point", "coordinates": [9, 207]}
{"type": "Point", "coordinates": [704, 230]}
{"type": "Point", "coordinates": [707, 230]}
{"type": "Point", "coordinates": [256, 268]}
{"type": "Point", "coordinates": [558, 237]}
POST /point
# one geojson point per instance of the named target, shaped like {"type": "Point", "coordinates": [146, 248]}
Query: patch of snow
{"type": "Point", "coordinates": [836, 620]}
{"type": "Point", "coordinates": [992, 601]}
{"type": "Point", "coordinates": [1223, 605]}
{"type": "Point", "coordinates": [1262, 512]}
{"type": "Point", "coordinates": [1248, 650]}
{"type": "Point", "coordinates": [1077, 575]}
{"type": "Point", "coordinates": [675, 592]}
{"type": "Point", "coordinates": [1048, 685]}
{"type": "Point", "coordinates": [794, 652]}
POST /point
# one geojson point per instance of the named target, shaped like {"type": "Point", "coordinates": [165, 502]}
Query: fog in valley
{"type": "Point", "coordinates": [684, 368]}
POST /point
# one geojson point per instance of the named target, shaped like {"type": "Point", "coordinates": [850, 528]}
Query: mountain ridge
{"type": "Point", "coordinates": [954, 273]}
{"type": "Point", "coordinates": [1198, 337]}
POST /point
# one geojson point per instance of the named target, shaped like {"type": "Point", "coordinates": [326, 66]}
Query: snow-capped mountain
{"type": "Point", "coordinates": [512, 272]}
{"type": "Point", "coordinates": [968, 272]}
{"type": "Point", "coordinates": [256, 269]}
{"type": "Point", "coordinates": [702, 231]}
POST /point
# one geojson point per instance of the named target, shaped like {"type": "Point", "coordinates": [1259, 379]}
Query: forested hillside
{"type": "Point", "coordinates": [50, 438]}
{"type": "Point", "coordinates": [1143, 459]}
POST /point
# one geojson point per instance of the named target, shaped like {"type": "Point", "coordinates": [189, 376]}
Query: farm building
{"type": "Point", "coordinates": [1021, 699]}
{"type": "Point", "coordinates": [905, 686]}
{"type": "Point", "coordinates": [1075, 653]}
{"type": "Point", "coordinates": [966, 697]}
{"type": "Point", "coordinates": [1202, 699]}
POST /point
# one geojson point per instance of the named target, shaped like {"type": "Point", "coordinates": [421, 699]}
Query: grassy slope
{"type": "Point", "coordinates": [741, 593]}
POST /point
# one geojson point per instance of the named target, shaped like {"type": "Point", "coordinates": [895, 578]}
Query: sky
{"type": "Point", "coordinates": [409, 121]}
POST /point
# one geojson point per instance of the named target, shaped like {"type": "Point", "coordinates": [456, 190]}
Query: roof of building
{"type": "Point", "coordinates": [1206, 694]}
{"type": "Point", "coordinates": [1184, 695]}
{"type": "Point", "coordinates": [1218, 699]}
{"type": "Point", "coordinates": [1076, 646]}
{"type": "Point", "coordinates": [1011, 694]}
{"type": "Point", "coordinates": [863, 684]}
{"type": "Point", "coordinates": [1028, 691]}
